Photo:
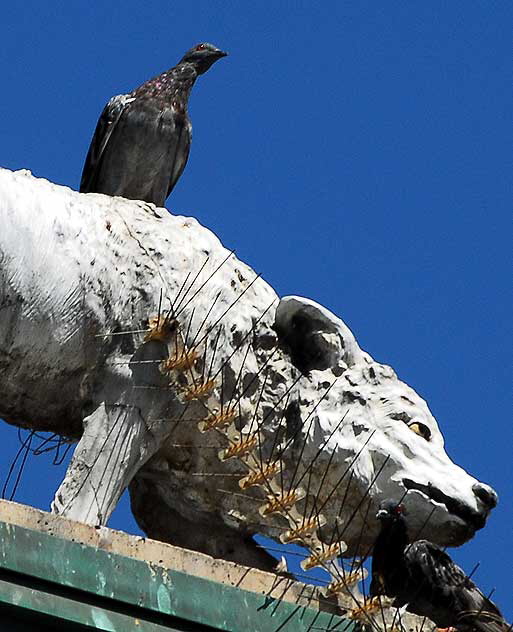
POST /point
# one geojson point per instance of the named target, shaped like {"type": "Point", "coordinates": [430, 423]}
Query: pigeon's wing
{"type": "Point", "coordinates": [441, 589]}
{"type": "Point", "coordinates": [181, 150]}
{"type": "Point", "coordinates": [107, 122]}
{"type": "Point", "coordinates": [433, 564]}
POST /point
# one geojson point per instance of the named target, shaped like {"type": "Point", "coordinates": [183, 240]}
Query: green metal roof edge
{"type": "Point", "coordinates": [38, 602]}
{"type": "Point", "coordinates": [155, 588]}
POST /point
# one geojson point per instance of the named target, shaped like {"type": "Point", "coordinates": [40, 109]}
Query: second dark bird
{"type": "Point", "coordinates": [142, 140]}
{"type": "Point", "coordinates": [421, 576]}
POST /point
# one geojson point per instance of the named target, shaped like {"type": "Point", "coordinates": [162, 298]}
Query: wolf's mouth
{"type": "Point", "coordinates": [473, 518]}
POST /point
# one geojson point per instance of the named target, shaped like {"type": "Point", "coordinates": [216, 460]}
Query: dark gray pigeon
{"type": "Point", "coordinates": [423, 577]}
{"type": "Point", "coordinates": [142, 140]}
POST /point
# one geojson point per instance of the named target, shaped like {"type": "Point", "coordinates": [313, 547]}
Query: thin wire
{"type": "Point", "coordinates": [179, 307]}
{"type": "Point", "coordinates": [310, 415]}
{"type": "Point", "coordinates": [251, 331]}
{"type": "Point", "coordinates": [25, 447]}
{"type": "Point", "coordinates": [202, 324]}
{"type": "Point", "coordinates": [90, 468]}
{"type": "Point", "coordinates": [176, 308]}
{"type": "Point", "coordinates": [348, 468]}
{"type": "Point", "coordinates": [229, 308]}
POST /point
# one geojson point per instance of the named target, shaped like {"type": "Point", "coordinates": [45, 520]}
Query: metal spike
{"type": "Point", "coordinates": [178, 307]}
{"type": "Point", "coordinates": [281, 503]}
{"type": "Point", "coordinates": [318, 558]}
{"type": "Point", "coordinates": [299, 533]}
{"type": "Point", "coordinates": [369, 607]}
{"type": "Point", "coordinates": [121, 333]}
{"type": "Point", "coordinates": [239, 449]}
{"type": "Point", "coordinates": [349, 579]}
{"type": "Point", "coordinates": [160, 328]}
{"type": "Point", "coordinates": [261, 476]}
{"type": "Point", "coordinates": [182, 305]}
{"type": "Point", "coordinates": [199, 390]}
{"type": "Point", "coordinates": [218, 421]}
{"type": "Point", "coordinates": [179, 362]}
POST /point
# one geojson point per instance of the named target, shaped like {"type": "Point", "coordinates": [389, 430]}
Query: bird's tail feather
{"type": "Point", "coordinates": [483, 621]}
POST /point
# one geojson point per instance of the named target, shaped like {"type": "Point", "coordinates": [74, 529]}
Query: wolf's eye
{"type": "Point", "coordinates": [420, 429]}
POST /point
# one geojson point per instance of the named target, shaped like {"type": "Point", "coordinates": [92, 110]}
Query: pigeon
{"type": "Point", "coordinates": [141, 143]}
{"type": "Point", "coordinates": [422, 577]}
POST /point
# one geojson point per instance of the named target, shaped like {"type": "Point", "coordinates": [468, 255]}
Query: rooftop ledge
{"type": "Point", "coordinates": [59, 572]}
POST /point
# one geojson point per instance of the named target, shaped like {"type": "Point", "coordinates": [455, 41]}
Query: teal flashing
{"type": "Point", "coordinates": [82, 584]}
{"type": "Point", "coordinates": [39, 602]}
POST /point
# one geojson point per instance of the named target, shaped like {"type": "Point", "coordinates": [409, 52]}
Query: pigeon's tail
{"type": "Point", "coordinates": [483, 621]}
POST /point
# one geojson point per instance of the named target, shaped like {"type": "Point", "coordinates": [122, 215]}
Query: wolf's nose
{"type": "Point", "coordinates": [485, 494]}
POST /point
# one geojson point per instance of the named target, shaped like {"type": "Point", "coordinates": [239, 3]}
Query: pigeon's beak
{"type": "Point", "coordinates": [382, 514]}
{"type": "Point", "coordinates": [221, 53]}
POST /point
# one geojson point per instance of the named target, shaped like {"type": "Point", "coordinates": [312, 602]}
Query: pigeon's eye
{"type": "Point", "coordinates": [200, 47]}
{"type": "Point", "coordinates": [421, 429]}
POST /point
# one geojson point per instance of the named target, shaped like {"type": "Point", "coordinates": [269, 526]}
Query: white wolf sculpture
{"type": "Point", "coordinates": [80, 277]}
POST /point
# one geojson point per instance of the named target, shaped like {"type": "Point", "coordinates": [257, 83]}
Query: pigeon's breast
{"type": "Point", "coordinates": [151, 141]}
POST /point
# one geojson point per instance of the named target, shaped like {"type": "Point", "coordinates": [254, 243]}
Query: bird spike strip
{"type": "Point", "coordinates": [239, 448]}
{"type": "Point", "coordinates": [370, 606]}
{"type": "Point", "coordinates": [350, 579]}
{"type": "Point", "coordinates": [281, 502]}
{"type": "Point", "coordinates": [298, 535]}
{"type": "Point", "coordinates": [182, 361]}
{"type": "Point", "coordinates": [160, 328]}
{"type": "Point", "coordinates": [378, 613]}
{"type": "Point", "coordinates": [322, 555]}
{"type": "Point", "coordinates": [189, 383]}
{"type": "Point", "coordinates": [218, 420]}
{"type": "Point", "coordinates": [199, 390]}
{"type": "Point", "coordinates": [260, 477]}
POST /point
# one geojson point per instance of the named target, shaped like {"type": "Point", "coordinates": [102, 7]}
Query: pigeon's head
{"type": "Point", "coordinates": [202, 56]}
{"type": "Point", "coordinates": [390, 511]}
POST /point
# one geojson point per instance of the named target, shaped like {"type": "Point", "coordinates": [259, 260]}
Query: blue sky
{"type": "Point", "coordinates": [357, 153]}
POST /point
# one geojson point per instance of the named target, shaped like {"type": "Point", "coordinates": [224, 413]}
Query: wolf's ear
{"type": "Point", "coordinates": [314, 338]}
